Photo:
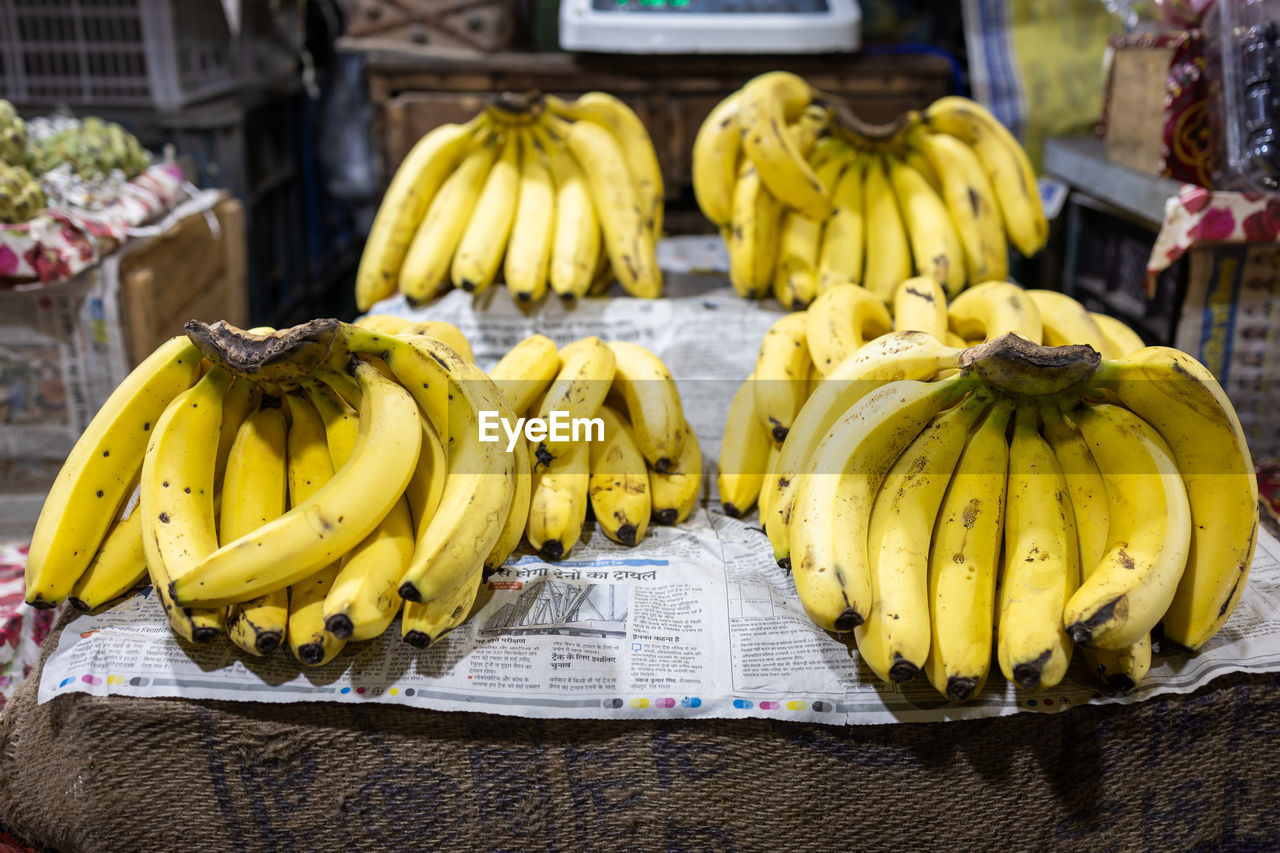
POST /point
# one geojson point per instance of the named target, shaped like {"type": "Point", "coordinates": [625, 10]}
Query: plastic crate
{"type": "Point", "coordinates": [163, 54]}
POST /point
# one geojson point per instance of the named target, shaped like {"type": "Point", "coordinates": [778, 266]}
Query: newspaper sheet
{"type": "Point", "coordinates": [696, 621]}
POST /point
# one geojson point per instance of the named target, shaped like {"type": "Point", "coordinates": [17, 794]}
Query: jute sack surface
{"type": "Point", "coordinates": [119, 774]}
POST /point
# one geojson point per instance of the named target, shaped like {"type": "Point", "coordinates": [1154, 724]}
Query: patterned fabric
{"type": "Point", "coordinates": [1197, 215]}
{"type": "Point", "coordinates": [22, 628]}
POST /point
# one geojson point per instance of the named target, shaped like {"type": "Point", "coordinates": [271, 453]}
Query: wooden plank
{"type": "Point", "coordinates": [235, 265]}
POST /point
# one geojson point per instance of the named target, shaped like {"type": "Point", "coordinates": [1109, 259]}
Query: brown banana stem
{"type": "Point", "coordinates": [284, 356]}
{"type": "Point", "coordinates": [1015, 364]}
{"type": "Point", "coordinates": [847, 120]}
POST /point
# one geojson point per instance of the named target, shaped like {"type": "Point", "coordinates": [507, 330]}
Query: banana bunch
{"type": "Point", "coordinates": [549, 194]}
{"type": "Point", "coordinates": [806, 194]}
{"type": "Point", "coordinates": [1121, 488]}
{"type": "Point", "coordinates": [765, 432]}
{"type": "Point", "coordinates": [642, 464]}
{"type": "Point", "coordinates": [305, 487]}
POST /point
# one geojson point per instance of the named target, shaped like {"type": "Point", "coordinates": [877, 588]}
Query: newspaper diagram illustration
{"type": "Point", "coordinates": [563, 607]}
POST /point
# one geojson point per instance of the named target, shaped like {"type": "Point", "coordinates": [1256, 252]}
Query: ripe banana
{"type": "Point", "coordinates": [254, 491]}
{"type": "Point", "coordinates": [315, 532]}
{"type": "Point", "coordinates": [766, 104]}
{"type": "Point", "coordinates": [179, 528]}
{"type": "Point", "coordinates": [425, 270]}
{"type": "Point", "coordinates": [613, 114]}
{"type": "Point", "coordinates": [888, 253]}
{"type": "Point", "coordinates": [840, 321]}
{"type": "Point", "coordinates": [993, 309]}
{"type": "Point", "coordinates": [1041, 562]}
{"type": "Point", "coordinates": [587, 371]}
{"type": "Point", "coordinates": [403, 206]}
{"type": "Point", "coordinates": [897, 355]}
{"type": "Point", "coordinates": [675, 492]}
{"type": "Point", "coordinates": [518, 507]}
{"type": "Point", "coordinates": [241, 398]}
{"type": "Point", "coordinates": [1148, 536]}
{"type": "Point", "coordinates": [964, 561]}
{"type": "Point", "coordinates": [800, 243]}
{"type": "Point", "coordinates": [894, 637]}
{"type": "Point", "coordinates": [423, 623]}
{"type": "Point", "coordinates": [971, 201]}
{"type": "Point", "coordinates": [744, 452]}
{"type": "Point", "coordinates": [1006, 165]}
{"type": "Point", "coordinates": [1065, 321]}
{"type": "Point", "coordinates": [837, 488]}
{"type": "Point", "coordinates": [782, 374]}
{"type": "Point", "coordinates": [1180, 398]}
{"type": "Point", "coordinates": [533, 231]}
{"type": "Point", "coordinates": [119, 565]}
{"type": "Point", "coordinates": [935, 246]}
{"type": "Point", "coordinates": [308, 639]}
{"type": "Point", "coordinates": [576, 243]}
{"type": "Point", "coordinates": [1118, 339]}
{"type": "Point", "coordinates": [844, 237]}
{"type": "Point", "coordinates": [526, 371]}
{"type": "Point", "coordinates": [652, 404]}
{"type": "Point", "coordinates": [619, 484]}
{"type": "Point", "coordinates": [716, 150]}
{"type": "Point", "coordinates": [558, 503]}
{"type": "Point", "coordinates": [94, 481]}
{"type": "Point", "coordinates": [627, 237]}
{"type": "Point", "coordinates": [919, 304]}
{"type": "Point", "coordinates": [484, 239]}
{"type": "Point", "coordinates": [754, 233]}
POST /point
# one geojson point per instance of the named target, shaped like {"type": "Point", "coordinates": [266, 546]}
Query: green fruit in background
{"type": "Point", "coordinates": [92, 147]}
{"type": "Point", "coordinates": [20, 195]}
{"type": "Point", "coordinates": [13, 134]}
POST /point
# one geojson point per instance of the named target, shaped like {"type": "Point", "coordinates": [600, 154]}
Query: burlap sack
{"type": "Point", "coordinates": [85, 773]}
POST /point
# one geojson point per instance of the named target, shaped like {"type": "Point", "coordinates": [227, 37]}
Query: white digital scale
{"type": "Point", "coordinates": [710, 26]}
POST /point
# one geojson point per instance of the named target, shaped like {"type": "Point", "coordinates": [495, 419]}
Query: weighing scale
{"type": "Point", "coordinates": [710, 26]}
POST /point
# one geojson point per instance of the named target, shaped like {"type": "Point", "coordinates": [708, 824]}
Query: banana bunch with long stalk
{"type": "Point", "coordinates": [806, 193]}
{"type": "Point", "coordinates": [1012, 501]}
{"type": "Point", "coordinates": [636, 461]}
{"type": "Point", "coordinates": [543, 194]}
{"type": "Point", "coordinates": [804, 348]}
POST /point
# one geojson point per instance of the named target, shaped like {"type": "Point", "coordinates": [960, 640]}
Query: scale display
{"type": "Point", "coordinates": [710, 26]}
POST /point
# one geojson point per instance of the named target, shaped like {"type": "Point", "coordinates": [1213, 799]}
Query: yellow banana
{"type": "Point", "coordinates": [1065, 321]}
{"type": "Point", "coordinates": [446, 332]}
{"type": "Point", "coordinates": [993, 309]}
{"type": "Point", "coordinates": [627, 238]}
{"type": "Point", "coordinates": [586, 372]}
{"type": "Point", "coordinates": [894, 637]}
{"type": "Point", "coordinates": [94, 480]}
{"type": "Point", "coordinates": [844, 236]}
{"type": "Point", "coordinates": [308, 639]}
{"type": "Point", "coordinates": [558, 503]}
{"type": "Point", "coordinates": [766, 104]}
{"type": "Point", "coordinates": [423, 623]}
{"type": "Point", "coordinates": [1178, 396]}
{"type": "Point", "coordinates": [526, 371]}
{"type": "Point", "coordinates": [318, 530]}
{"type": "Point", "coordinates": [1041, 563]}
{"type": "Point", "coordinates": [576, 242]}
{"type": "Point", "coordinates": [484, 239]}
{"type": "Point", "coordinates": [935, 246]}
{"type": "Point", "coordinates": [971, 201]}
{"type": "Point", "coordinates": [898, 355]}
{"type": "Point", "coordinates": [840, 321]}
{"type": "Point", "coordinates": [119, 565]}
{"type": "Point", "coordinates": [716, 150]}
{"type": "Point", "coordinates": [254, 491]}
{"type": "Point", "coordinates": [964, 560]}
{"type": "Point", "coordinates": [782, 374]}
{"type": "Point", "coordinates": [1148, 537]}
{"type": "Point", "coordinates": [800, 243]}
{"type": "Point", "coordinates": [179, 529]}
{"type": "Point", "coordinates": [753, 235]}
{"type": "Point", "coordinates": [920, 304]}
{"type": "Point", "coordinates": [1006, 165]}
{"type": "Point", "coordinates": [652, 403]}
{"type": "Point", "coordinates": [619, 484]}
{"type": "Point", "coordinates": [1117, 338]}
{"type": "Point", "coordinates": [527, 265]}
{"type": "Point", "coordinates": [414, 184]}
{"type": "Point", "coordinates": [744, 452]}
{"type": "Point", "coordinates": [613, 114]}
{"type": "Point", "coordinates": [837, 488]}
{"type": "Point", "coordinates": [675, 492]}
{"type": "Point", "coordinates": [518, 507]}
{"type": "Point", "coordinates": [888, 253]}
{"type": "Point", "coordinates": [425, 271]}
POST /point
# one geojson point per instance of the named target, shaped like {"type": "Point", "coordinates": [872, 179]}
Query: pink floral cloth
{"type": "Point", "coordinates": [61, 242]}
{"type": "Point", "coordinates": [1198, 215]}
{"type": "Point", "coordinates": [22, 627]}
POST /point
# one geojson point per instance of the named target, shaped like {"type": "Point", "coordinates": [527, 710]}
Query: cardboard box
{"type": "Point", "coordinates": [1155, 109]}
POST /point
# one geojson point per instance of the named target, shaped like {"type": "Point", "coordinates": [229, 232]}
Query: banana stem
{"type": "Point", "coordinates": [844, 119]}
{"type": "Point", "coordinates": [1017, 365]}
{"type": "Point", "coordinates": [285, 356]}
